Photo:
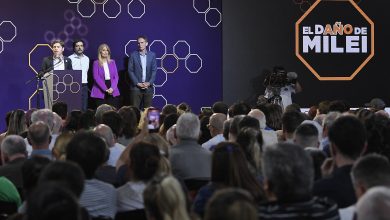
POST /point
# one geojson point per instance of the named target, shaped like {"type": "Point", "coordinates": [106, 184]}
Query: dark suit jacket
{"type": "Point", "coordinates": [47, 64]}
{"type": "Point", "coordinates": [13, 171]}
{"type": "Point", "coordinates": [135, 69]}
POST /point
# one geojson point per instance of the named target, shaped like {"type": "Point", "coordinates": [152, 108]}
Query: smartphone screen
{"type": "Point", "coordinates": [154, 119]}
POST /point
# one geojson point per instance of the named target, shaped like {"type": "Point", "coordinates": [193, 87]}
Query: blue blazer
{"type": "Point", "coordinates": [135, 69]}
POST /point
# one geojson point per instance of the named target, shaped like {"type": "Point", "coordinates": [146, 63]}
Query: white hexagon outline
{"type": "Point", "coordinates": [98, 3]}
{"type": "Point", "coordinates": [67, 76]}
{"type": "Point", "coordinates": [220, 17]}
{"type": "Point", "coordinates": [120, 9]}
{"type": "Point", "coordinates": [78, 86]}
{"type": "Point", "coordinates": [55, 93]}
{"type": "Point", "coordinates": [166, 78]}
{"type": "Point", "coordinates": [200, 12]}
{"type": "Point", "coordinates": [128, 42]}
{"type": "Point", "coordinates": [2, 46]}
{"type": "Point", "coordinates": [189, 49]}
{"type": "Point", "coordinates": [71, 2]}
{"type": "Point", "coordinates": [57, 87]}
{"type": "Point", "coordinates": [51, 32]}
{"type": "Point", "coordinates": [56, 80]}
{"type": "Point", "coordinates": [86, 16]}
{"type": "Point", "coordinates": [201, 63]}
{"type": "Point", "coordinates": [166, 101]}
{"type": "Point", "coordinates": [16, 31]}
{"type": "Point", "coordinates": [128, 9]}
{"type": "Point", "coordinates": [165, 48]}
{"type": "Point", "coordinates": [162, 62]}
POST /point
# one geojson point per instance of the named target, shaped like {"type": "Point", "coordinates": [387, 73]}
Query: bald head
{"type": "Point", "coordinates": [105, 132]}
{"type": "Point", "coordinates": [259, 115]}
{"type": "Point", "coordinates": [216, 123]}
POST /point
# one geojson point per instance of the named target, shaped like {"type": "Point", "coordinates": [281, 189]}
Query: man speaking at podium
{"type": "Point", "coordinates": [55, 62]}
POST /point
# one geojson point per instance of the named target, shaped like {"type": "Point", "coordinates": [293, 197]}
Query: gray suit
{"type": "Point", "coordinates": [189, 160]}
{"type": "Point", "coordinates": [135, 73]}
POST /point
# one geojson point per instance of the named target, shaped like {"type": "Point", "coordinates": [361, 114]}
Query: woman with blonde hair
{"type": "Point", "coordinates": [164, 200]}
{"type": "Point", "coordinates": [105, 74]}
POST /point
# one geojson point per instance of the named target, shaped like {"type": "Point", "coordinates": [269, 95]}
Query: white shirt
{"type": "Point", "coordinates": [81, 63]}
{"type": "Point", "coordinates": [106, 71]}
{"type": "Point", "coordinates": [213, 141]}
{"type": "Point", "coordinates": [129, 196]}
{"type": "Point", "coordinates": [269, 137]}
{"type": "Point", "coordinates": [58, 63]}
{"type": "Point", "coordinates": [115, 153]}
{"type": "Point", "coordinates": [143, 64]}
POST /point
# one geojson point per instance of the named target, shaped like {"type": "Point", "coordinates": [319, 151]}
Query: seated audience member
{"type": "Point", "coordinates": [235, 203]}
{"type": "Point", "coordinates": [288, 182]}
{"type": "Point", "coordinates": [378, 139]}
{"type": "Point", "coordinates": [183, 108]}
{"type": "Point", "coordinates": [369, 171]}
{"type": "Point", "coordinates": [89, 151]}
{"type": "Point", "coordinates": [312, 113]}
{"type": "Point", "coordinates": [323, 107]}
{"type": "Point", "coordinates": [72, 123]}
{"type": "Point", "coordinates": [100, 110]}
{"type": "Point", "coordinates": [229, 169]}
{"type": "Point", "coordinates": [16, 124]}
{"type": "Point", "coordinates": [338, 106]}
{"type": "Point", "coordinates": [188, 159]}
{"type": "Point", "coordinates": [8, 192]}
{"type": "Point", "coordinates": [61, 108]}
{"type": "Point", "coordinates": [168, 122]}
{"type": "Point", "coordinates": [115, 149]}
{"type": "Point", "coordinates": [269, 136]}
{"type": "Point", "coordinates": [248, 122]}
{"type": "Point", "coordinates": [220, 107]}
{"type": "Point", "coordinates": [290, 121]}
{"type": "Point", "coordinates": [347, 138]}
{"type": "Point", "coordinates": [376, 104]}
{"type": "Point", "coordinates": [130, 124]}
{"type": "Point", "coordinates": [31, 170]}
{"type": "Point", "coordinates": [144, 165]}
{"type": "Point", "coordinates": [215, 127]}
{"type": "Point", "coordinates": [234, 128]}
{"type": "Point", "coordinates": [226, 128]}
{"type": "Point", "coordinates": [165, 200]}
{"type": "Point", "coordinates": [374, 204]}
{"type": "Point", "coordinates": [39, 136]}
{"type": "Point", "coordinates": [59, 149]}
{"type": "Point", "coordinates": [50, 201]}
{"type": "Point", "coordinates": [58, 124]}
{"type": "Point", "coordinates": [13, 155]}
{"type": "Point", "coordinates": [294, 107]}
{"type": "Point", "coordinates": [273, 113]}
{"type": "Point", "coordinates": [329, 119]}
{"type": "Point", "coordinates": [251, 142]}
{"type": "Point", "coordinates": [306, 136]}
{"type": "Point", "coordinates": [318, 157]}
{"type": "Point", "coordinates": [87, 120]}
{"type": "Point", "coordinates": [171, 135]}
{"type": "Point", "coordinates": [240, 108]}
{"type": "Point", "coordinates": [169, 109]}
{"type": "Point", "coordinates": [204, 131]}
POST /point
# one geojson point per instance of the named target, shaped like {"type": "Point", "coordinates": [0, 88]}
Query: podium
{"type": "Point", "coordinates": [63, 86]}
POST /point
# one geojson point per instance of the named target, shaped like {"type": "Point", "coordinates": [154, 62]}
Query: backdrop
{"type": "Point", "coordinates": [186, 36]}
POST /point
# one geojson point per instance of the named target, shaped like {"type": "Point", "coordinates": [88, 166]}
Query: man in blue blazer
{"type": "Point", "coordinates": [142, 71]}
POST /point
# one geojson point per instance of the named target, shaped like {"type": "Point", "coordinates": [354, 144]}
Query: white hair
{"type": "Point", "coordinates": [374, 204]}
{"type": "Point", "coordinates": [188, 126]}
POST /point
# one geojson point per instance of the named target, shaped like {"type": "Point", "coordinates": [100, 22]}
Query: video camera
{"type": "Point", "coordinates": [280, 78]}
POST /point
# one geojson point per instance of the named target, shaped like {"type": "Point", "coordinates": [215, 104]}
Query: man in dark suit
{"type": "Point", "coordinates": [55, 62]}
{"type": "Point", "coordinates": [142, 71]}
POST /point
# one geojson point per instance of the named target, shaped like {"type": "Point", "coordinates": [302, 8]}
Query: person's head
{"type": "Point", "coordinates": [58, 48]}
{"type": "Point", "coordinates": [183, 108]}
{"type": "Point", "coordinates": [73, 121]}
{"type": "Point", "coordinates": [240, 108]}
{"type": "Point", "coordinates": [58, 124]}
{"type": "Point", "coordinates": [249, 122]}
{"type": "Point", "coordinates": [288, 173]}
{"type": "Point", "coordinates": [216, 123]}
{"type": "Point", "coordinates": [348, 138]}
{"type": "Point", "coordinates": [369, 171]}
{"type": "Point", "coordinates": [65, 174]}
{"type": "Point", "coordinates": [274, 114]}
{"type": "Point", "coordinates": [312, 112]}
{"type": "Point", "coordinates": [169, 109]}
{"type": "Point", "coordinates": [17, 122]}
{"type": "Point", "coordinates": [61, 108]}
{"type": "Point", "coordinates": [231, 204]}
{"type": "Point", "coordinates": [39, 135]}
{"type": "Point", "coordinates": [51, 201]}
{"type": "Point", "coordinates": [318, 156]}
{"type": "Point", "coordinates": [87, 120]}
{"type": "Point", "coordinates": [31, 169]}
{"type": "Point", "coordinates": [159, 141]}
{"type": "Point", "coordinates": [45, 115]}
{"type": "Point", "coordinates": [12, 147]}
{"type": "Point", "coordinates": [106, 133]}
{"type": "Point", "coordinates": [104, 54]}
{"type": "Point", "coordinates": [338, 106]}
{"type": "Point", "coordinates": [88, 150]}
{"type": "Point", "coordinates": [294, 107]}
{"type": "Point", "coordinates": [113, 120]}
{"type": "Point", "coordinates": [129, 119]}
{"type": "Point", "coordinates": [260, 116]}
{"type": "Point", "coordinates": [226, 128]}
{"type": "Point", "coordinates": [188, 126]}
{"type": "Point", "coordinates": [164, 199]}
{"type": "Point", "coordinates": [144, 161]}
{"type": "Point", "coordinates": [142, 42]}
{"type": "Point", "coordinates": [376, 104]}
{"type": "Point", "coordinates": [374, 204]}
{"type": "Point", "coordinates": [169, 121]}
{"type": "Point", "coordinates": [328, 121]}
{"type": "Point", "coordinates": [306, 135]}
{"type": "Point", "coordinates": [100, 110]}
{"type": "Point", "coordinates": [251, 141]}
{"type": "Point", "coordinates": [78, 46]}
{"type": "Point", "coordinates": [220, 107]}
{"type": "Point", "coordinates": [290, 121]}
{"type": "Point", "coordinates": [323, 107]}
{"type": "Point", "coordinates": [171, 135]}
{"type": "Point", "coordinates": [229, 167]}
{"type": "Point", "coordinates": [59, 148]}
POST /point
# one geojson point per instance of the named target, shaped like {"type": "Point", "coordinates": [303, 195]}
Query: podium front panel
{"type": "Point", "coordinates": [67, 88]}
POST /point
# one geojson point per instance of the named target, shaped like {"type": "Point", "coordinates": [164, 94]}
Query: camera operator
{"type": "Point", "coordinates": [279, 86]}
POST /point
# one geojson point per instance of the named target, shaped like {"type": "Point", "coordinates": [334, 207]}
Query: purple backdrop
{"type": "Point", "coordinates": [186, 35]}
